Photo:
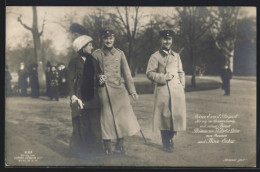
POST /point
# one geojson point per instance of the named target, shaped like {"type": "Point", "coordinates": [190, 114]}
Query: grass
{"type": "Point", "coordinates": [45, 128]}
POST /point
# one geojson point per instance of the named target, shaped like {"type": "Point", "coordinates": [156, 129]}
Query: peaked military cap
{"type": "Point", "coordinates": [166, 33]}
{"type": "Point", "coordinates": [107, 31]}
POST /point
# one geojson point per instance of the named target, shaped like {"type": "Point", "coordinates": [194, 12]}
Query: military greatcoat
{"type": "Point", "coordinates": [113, 64]}
{"type": "Point", "coordinates": [169, 95]}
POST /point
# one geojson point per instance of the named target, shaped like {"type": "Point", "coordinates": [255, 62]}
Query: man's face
{"type": "Point", "coordinates": [166, 42]}
{"type": "Point", "coordinates": [88, 49]}
{"type": "Point", "coordinates": [108, 41]}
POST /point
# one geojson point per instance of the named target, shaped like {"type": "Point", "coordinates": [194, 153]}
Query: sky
{"type": "Point", "coordinates": [15, 32]}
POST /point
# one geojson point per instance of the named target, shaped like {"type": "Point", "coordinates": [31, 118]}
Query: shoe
{"type": "Point", "coordinates": [108, 152]}
{"type": "Point", "coordinates": [120, 150]}
{"type": "Point", "coordinates": [171, 143]}
{"type": "Point", "coordinates": [167, 149]}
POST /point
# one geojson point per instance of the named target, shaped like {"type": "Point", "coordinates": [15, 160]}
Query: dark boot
{"type": "Point", "coordinates": [107, 147]}
{"type": "Point", "coordinates": [166, 140]}
{"type": "Point", "coordinates": [119, 147]}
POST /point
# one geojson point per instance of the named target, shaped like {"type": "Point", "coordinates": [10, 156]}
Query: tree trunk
{"type": "Point", "coordinates": [37, 51]}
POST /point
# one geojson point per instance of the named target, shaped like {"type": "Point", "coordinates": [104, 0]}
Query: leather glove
{"type": "Point", "coordinates": [75, 99]}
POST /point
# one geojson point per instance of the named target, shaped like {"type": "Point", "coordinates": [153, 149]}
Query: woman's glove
{"type": "Point", "coordinates": [75, 99]}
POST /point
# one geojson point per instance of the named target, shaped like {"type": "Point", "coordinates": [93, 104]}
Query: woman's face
{"type": "Point", "coordinates": [88, 49]}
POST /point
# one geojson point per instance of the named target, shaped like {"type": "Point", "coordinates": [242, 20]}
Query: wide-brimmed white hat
{"type": "Point", "coordinates": [80, 42]}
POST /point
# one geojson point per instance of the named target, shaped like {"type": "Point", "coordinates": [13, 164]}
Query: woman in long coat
{"type": "Point", "coordinates": [165, 70]}
{"type": "Point", "coordinates": [117, 117]}
{"type": "Point", "coordinates": [86, 137]}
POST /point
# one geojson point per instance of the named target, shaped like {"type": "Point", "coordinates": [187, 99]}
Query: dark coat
{"type": "Point", "coordinates": [75, 74]}
{"type": "Point", "coordinates": [63, 84]}
{"type": "Point", "coordinates": [8, 79]}
{"type": "Point", "coordinates": [34, 81]}
{"type": "Point", "coordinates": [226, 75]}
{"type": "Point", "coordinates": [22, 80]}
{"type": "Point", "coordinates": [86, 135]}
{"type": "Point", "coordinates": [47, 75]}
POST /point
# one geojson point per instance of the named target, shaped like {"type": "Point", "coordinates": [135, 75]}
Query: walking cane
{"type": "Point", "coordinates": [111, 108]}
{"type": "Point", "coordinates": [110, 105]}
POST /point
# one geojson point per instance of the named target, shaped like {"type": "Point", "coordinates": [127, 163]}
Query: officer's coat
{"type": "Point", "coordinates": [169, 97]}
{"type": "Point", "coordinates": [119, 83]}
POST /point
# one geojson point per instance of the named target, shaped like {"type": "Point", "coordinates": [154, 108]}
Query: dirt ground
{"type": "Point", "coordinates": [37, 132]}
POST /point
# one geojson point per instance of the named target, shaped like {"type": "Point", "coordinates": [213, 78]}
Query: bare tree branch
{"type": "Point", "coordinates": [127, 23]}
{"type": "Point", "coordinates": [24, 25]}
{"type": "Point", "coordinates": [43, 24]}
{"type": "Point", "coordinates": [135, 22]}
{"type": "Point", "coordinates": [121, 17]}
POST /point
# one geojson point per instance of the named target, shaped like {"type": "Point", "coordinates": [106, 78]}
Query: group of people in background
{"type": "Point", "coordinates": [56, 81]}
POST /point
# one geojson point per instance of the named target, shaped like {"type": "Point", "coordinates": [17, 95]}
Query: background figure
{"type": "Point", "coordinates": [8, 78]}
{"type": "Point", "coordinates": [47, 76]}
{"type": "Point", "coordinates": [63, 84]}
{"type": "Point", "coordinates": [226, 75]}
{"type": "Point", "coordinates": [54, 84]}
{"type": "Point", "coordinates": [34, 81]}
{"type": "Point", "coordinates": [22, 80]}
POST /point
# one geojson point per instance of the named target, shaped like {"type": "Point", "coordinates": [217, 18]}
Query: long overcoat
{"type": "Point", "coordinates": [86, 135]}
{"type": "Point", "coordinates": [119, 84]}
{"type": "Point", "coordinates": [169, 103]}
{"type": "Point", "coordinates": [75, 74]}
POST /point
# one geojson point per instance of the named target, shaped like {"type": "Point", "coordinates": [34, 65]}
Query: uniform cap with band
{"type": "Point", "coordinates": [107, 31]}
{"type": "Point", "coordinates": [166, 33]}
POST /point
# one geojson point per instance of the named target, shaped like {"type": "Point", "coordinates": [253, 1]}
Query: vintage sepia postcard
{"type": "Point", "coordinates": [130, 86]}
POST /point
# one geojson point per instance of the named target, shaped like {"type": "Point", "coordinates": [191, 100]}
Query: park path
{"type": "Point", "coordinates": [42, 129]}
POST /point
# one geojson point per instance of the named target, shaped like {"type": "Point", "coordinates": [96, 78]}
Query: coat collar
{"type": "Point", "coordinates": [106, 51]}
{"type": "Point", "coordinates": [165, 53]}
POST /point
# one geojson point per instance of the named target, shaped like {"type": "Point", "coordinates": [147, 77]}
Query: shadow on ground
{"type": "Point", "coordinates": [147, 87]}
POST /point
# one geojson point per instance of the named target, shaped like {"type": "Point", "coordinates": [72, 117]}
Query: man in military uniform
{"type": "Point", "coordinates": [116, 83]}
{"type": "Point", "coordinates": [22, 80]}
{"type": "Point", "coordinates": [226, 75]}
{"type": "Point", "coordinates": [165, 70]}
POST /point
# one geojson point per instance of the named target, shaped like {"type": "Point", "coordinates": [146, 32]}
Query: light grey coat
{"type": "Point", "coordinates": [169, 103]}
{"type": "Point", "coordinates": [120, 84]}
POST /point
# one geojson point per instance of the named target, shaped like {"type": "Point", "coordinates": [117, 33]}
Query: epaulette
{"type": "Point", "coordinates": [97, 50]}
